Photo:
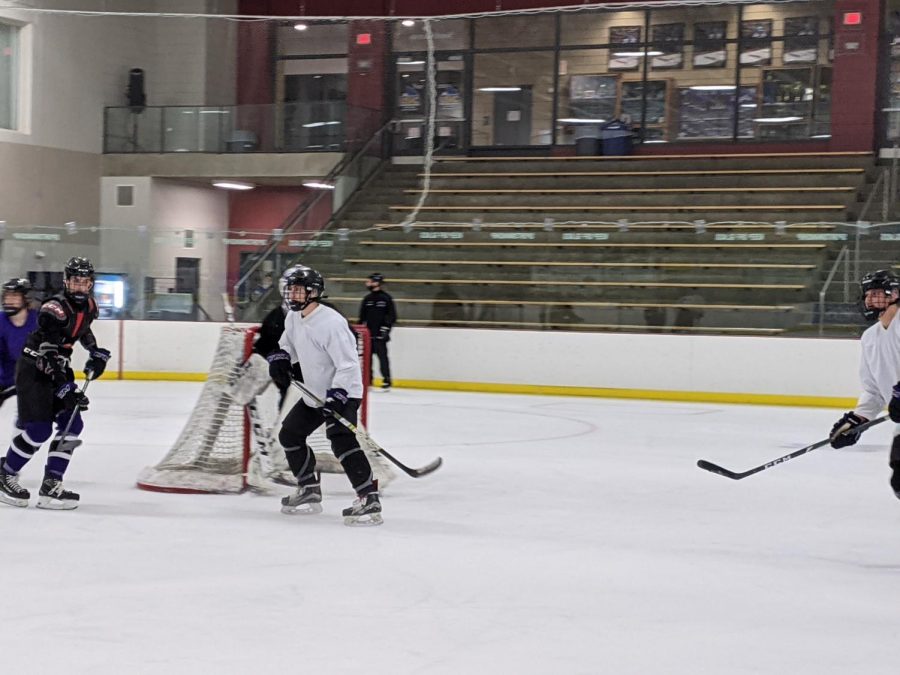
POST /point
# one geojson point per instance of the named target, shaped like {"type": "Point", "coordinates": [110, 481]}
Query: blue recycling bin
{"type": "Point", "coordinates": [616, 138]}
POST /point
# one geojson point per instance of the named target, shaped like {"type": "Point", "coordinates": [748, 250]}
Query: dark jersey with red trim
{"type": "Point", "coordinates": [63, 324]}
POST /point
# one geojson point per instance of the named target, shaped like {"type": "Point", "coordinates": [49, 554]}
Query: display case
{"type": "Point", "coordinates": [709, 113]}
{"type": "Point", "coordinates": [795, 103]}
{"type": "Point", "coordinates": [655, 122]}
{"type": "Point", "coordinates": [593, 97]}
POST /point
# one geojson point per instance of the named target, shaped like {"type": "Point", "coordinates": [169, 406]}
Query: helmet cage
{"type": "Point", "coordinates": [881, 280]}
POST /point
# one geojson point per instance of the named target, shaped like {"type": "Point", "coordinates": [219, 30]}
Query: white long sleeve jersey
{"type": "Point", "coordinates": [325, 347]}
{"type": "Point", "coordinates": [879, 367]}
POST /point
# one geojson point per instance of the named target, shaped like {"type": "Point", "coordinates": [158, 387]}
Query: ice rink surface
{"type": "Point", "coordinates": [563, 535]}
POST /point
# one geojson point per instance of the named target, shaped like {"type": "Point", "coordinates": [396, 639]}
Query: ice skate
{"type": "Point", "coordinates": [307, 500]}
{"type": "Point", "coordinates": [11, 492]}
{"type": "Point", "coordinates": [53, 496]}
{"type": "Point", "coordinates": [366, 510]}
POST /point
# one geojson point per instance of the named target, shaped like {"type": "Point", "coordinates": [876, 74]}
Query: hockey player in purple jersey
{"type": "Point", "coordinates": [16, 323]}
{"type": "Point", "coordinates": [47, 393]}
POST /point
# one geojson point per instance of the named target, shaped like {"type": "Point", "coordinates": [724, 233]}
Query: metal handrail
{"type": "Point", "coordinates": [305, 207]}
{"type": "Point", "coordinates": [868, 203]}
{"type": "Point", "coordinates": [845, 256]}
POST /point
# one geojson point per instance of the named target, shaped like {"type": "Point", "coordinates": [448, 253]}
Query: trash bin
{"type": "Point", "coordinates": [587, 140]}
{"type": "Point", "coordinates": [616, 138]}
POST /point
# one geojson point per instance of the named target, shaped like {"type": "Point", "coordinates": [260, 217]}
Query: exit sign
{"type": "Point", "coordinates": [852, 18]}
{"type": "Point", "coordinates": [363, 38]}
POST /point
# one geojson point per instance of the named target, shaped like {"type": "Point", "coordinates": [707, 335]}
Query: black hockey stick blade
{"type": "Point", "coordinates": [722, 471]}
{"type": "Point", "coordinates": [715, 468]}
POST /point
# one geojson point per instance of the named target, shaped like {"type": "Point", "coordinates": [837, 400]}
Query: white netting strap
{"type": "Point", "coordinates": [431, 93]}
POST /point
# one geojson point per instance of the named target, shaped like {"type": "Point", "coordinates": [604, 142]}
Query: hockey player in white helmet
{"type": "Point", "coordinates": [319, 338]}
{"type": "Point", "coordinates": [879, 367]}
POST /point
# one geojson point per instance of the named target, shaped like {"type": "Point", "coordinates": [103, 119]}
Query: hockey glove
{"type": "Point", "coordinates": [280, 368]}
{"type": "Point", "coordinates": [842, 434]}
{"type": "Point", "coordinates": [49, 361]}
{"type": "Point", "coordinates": [335, 400]}
{"type": "Point", "coordinates": [894, 405]}
{"type": "Point", "coordinates": [71, 397]}
{"type": "Point", "coordinates": [96, 364]}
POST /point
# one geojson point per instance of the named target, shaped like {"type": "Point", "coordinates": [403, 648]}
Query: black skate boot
{"type": "Point", "coordinates": [366, 510]}
{"type": "Point", "coordinates": [53, 496]}
{"type": "Point", "coordinates": [307, 500]}
{"type": "Point", "coordinates": [10, 491]}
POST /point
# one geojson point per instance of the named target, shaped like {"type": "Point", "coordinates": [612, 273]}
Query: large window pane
{"type": "Point", "coordinates": [412, 107]}
{"type": "Point", "coordinates": [513, 99]}
{"type": "Point", "coordinates": [9, 68]}
{"type": "Point", "coordinates": [515, 31]}
{"type": "Point", "coordinates": [595, 28]}
{"type": "Point", "coordinates": [785, 59]}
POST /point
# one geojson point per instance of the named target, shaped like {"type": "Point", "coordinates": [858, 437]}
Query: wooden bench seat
{"type": "Point", "coordinates": [592, 244]}
{"type": "Point", "coordinates": [611, 226]}
{"type": "Point", "coordinates": [591, 326]}
{"type": "Point", "coordinates": [639, 158]}
{"type": "Point", "coordinates": [608, 208]}
{"type": "Point", "coordinates": [547, 263]}
{"type": "Point", "coordinates": [614, 174]}
{"type": "Point", "coordinates": [607, 284]}
{"type": "Point", "coordinates": [614, 191]}
{"type": "Point", "coordinates": [580, 303]}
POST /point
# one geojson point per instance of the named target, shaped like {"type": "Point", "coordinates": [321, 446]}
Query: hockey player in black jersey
{"type": "Point", "coordinates": [378, 313]}
{"type": "Point", "coordinates": [319, 339]}
{"type": "Point", "coordinates": [47, 392]}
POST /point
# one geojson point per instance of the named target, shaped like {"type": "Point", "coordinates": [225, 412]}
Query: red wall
{"type": "Point", "coordinates": [258, 212]}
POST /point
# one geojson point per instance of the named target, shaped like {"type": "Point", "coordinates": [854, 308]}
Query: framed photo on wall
{"type": "Point", "coordinates": [709, 44]}
{"type": "Point", "coordinates": [801, 39]}
{"type": "Point", "coordinates": [624, 39]}
{"type": "Point", "coordinates": [668, 38]}
{"type": "Point", "coordinates": [756, 42]}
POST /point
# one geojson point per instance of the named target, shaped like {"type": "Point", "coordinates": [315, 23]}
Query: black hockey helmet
{"type": "Point", "coordinates": [78, 266]}
{"type": "Point", "coordinates": [377, 278]}
{"type": "Point", "coordinates": [308, 279]}
{"type": "Point", "coordinates": [15, 285]}
{"type": "Point", "coordinates": [880, 280]}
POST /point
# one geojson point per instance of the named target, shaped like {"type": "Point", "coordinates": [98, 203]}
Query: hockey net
{"type": "Point", "coordinates": [230, 442]}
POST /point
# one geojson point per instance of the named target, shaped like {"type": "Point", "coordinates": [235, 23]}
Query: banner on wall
{"type": "Point", "coordinates": [709, 44]}
{"type": "Point", "coordinates": [756, 42]}
{"type": "Point", "coordinates": [801, 39]}
{"type": "Point", "coordinates": [668, 38]}
{"type": "Point", "coordinates": [624, 39]}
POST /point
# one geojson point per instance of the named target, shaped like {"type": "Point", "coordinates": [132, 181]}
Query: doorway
{"type": "Point", "coordinates": [512, 117]}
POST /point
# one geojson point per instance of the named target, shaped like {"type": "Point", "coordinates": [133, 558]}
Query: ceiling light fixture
{"type": "Point", "coordinates": [318, 185]}
{"type": "Point", "coordinates": [300, 26]}
{"type": "Point", "coordinates": [409, 23]}
{"type": "Point", "coordinates": [233, 185]}
{"type": "Point", "coordinates": [653, 53]}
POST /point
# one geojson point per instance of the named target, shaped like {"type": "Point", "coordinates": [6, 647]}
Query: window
{"type": "Point", "coordinates": [9, 76]}
{"type": "Point", "coordinates": [125, 195]}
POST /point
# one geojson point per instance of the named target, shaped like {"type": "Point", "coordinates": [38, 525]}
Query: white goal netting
{"type": "Point", "coordinates": [230, 442]}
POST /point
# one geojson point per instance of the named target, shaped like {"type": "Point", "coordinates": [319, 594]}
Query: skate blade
{"type": "Point", "coordinates": [52, 504]}
{"type": "Point", "coordinates": [13, 501]}
{"type": "Point", "coordinates": [368, 520]}
{"type": "Point", "coordinates": [302, 509]}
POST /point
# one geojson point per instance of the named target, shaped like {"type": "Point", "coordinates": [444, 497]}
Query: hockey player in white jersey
{"type": "Point", "coordinates": [320, 340]}
{"type": "Point", "coordinates": [879, 367]}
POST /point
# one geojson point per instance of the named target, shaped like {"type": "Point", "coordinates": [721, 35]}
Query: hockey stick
{"type": "Point", "coordinates": [431, 467]}
{"type": "Point", "coordinates": [715, 468]}
{"type": "Point", "coordinates": [68, 445]}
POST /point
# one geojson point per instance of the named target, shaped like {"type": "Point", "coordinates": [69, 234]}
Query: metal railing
{"type": "Point", "coordinates": [843, 256]}
{"type": "Point", "coordinates": [277, 127]}
{"type": "Point", "coordinates": [345, 180]}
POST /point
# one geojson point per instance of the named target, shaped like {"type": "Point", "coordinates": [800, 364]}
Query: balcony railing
{"type": "Point", "coordinates": [285, 127]}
